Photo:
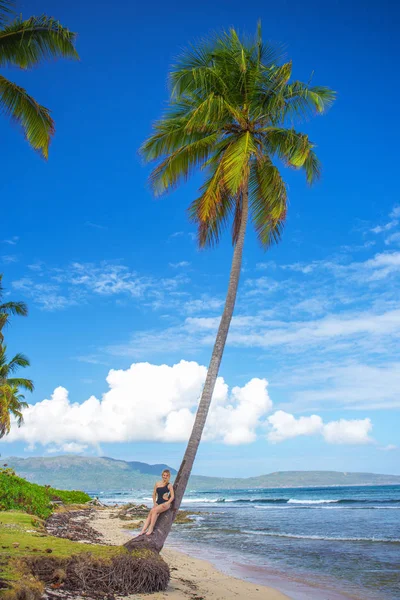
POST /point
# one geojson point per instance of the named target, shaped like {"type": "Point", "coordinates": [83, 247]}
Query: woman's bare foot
{"type": "Point", "coordinates": [149, 532]}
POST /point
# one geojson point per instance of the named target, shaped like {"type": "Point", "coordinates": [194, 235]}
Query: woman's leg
{"type": "Point", "coordinates": [154, 516]}
{"type": "Point", "coordinates": [147, 522]}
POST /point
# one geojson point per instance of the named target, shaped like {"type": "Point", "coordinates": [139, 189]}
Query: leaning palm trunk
{"type": "Point", "coordinates": [228, 113]}
{"type": "Point", "coordinates": [156, 540]}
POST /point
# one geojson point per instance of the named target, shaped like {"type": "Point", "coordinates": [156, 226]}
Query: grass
{"type": "Point", "coordinates": [24, 542]}
{"type": "Point", "coordinates": [30, 557]}
{"type": "Point", "coordinates": [18, 494]}
{"type": "Point", "coordinates": [23, 536]}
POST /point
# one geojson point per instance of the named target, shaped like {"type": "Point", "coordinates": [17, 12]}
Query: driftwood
{"type": "Point", "coordinates": [123, 574]}
{"type": "Point", "coordinates": [73, 525]}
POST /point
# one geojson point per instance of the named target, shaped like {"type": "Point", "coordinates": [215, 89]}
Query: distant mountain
{"type": "Point", "coordinates": [90, 473]}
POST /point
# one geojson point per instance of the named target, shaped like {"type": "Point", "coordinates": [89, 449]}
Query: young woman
{"type": "Point", "coordinates": [163, 496]}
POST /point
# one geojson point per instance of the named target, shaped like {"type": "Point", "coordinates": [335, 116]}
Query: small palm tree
{"type": "Point", "coordinates": [230, 114]}
{"type": "Point", "coordinates": [24, 44]}
{"type": "Point", "coordinates": [11, 401]}
{"type": "Point", "coordinates": [9, 308]}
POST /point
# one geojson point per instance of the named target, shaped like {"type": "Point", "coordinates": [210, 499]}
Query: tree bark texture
{"type": "Point", "coordinates": [156, 540]}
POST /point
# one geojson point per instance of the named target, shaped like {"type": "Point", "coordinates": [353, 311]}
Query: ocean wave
{"type": "Point", "coordinates": [294, 501]}
{"type": "Point", "coordinates": [321, 537]}
{"type": "Point", "coordinates": [202, 500]}
{"type": "Point", "coordinates": [299, 501]}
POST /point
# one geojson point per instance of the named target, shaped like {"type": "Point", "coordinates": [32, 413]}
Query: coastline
{"type": "Point", "coordinates": [191, 577]}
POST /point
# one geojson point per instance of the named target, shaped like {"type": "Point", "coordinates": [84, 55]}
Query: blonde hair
{"type": "Point", "coordinates": [166, 471]}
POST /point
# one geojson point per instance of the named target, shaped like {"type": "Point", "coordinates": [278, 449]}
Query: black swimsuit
{"type": "Point", "coordinates": [160, 493]}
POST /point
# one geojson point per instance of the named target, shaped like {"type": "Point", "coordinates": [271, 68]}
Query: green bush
{"type": "Point", "coordinates": [18, 494]}
{"type": "Point", "coordinates": [69, 496]}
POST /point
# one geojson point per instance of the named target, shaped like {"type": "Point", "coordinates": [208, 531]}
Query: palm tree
{"type": "Point", "coordinates": [230, 114]}
{"type": "Point", "coordinates": [9, 308]}
{"type": "Point", "coordinates": [11, 401]}
{"type": "Point", "coordinates": [23, 44]}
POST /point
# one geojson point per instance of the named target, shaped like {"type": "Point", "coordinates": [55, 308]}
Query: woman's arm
{"type": "Point", "coordinates": [172, 493]}
{"type": "Point", "coordinates": [155, 495]}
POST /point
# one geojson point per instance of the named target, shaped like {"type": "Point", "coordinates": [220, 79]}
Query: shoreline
{"type": "Point", "coordinates": [292, 587]}
{"type": "Point", "coordinates": [191, 578]}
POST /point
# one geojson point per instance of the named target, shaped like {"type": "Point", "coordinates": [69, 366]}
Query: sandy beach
{"type": "Point", "coordinates": [191, 578]}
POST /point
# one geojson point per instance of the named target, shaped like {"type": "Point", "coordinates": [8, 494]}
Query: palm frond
{"type": "Point", "coordinates": [19, 360]}
{"type": "Point", "coordinates": [6, 10]}
{"type": "Point", "coordinates": [26, 384]}
{"type": "Point", "coordinates": [290, 146]}
{"type": "Point", "coordinates": [268, 201]}
{"type": "Point", "coordinates": [34, 118]}
{"type": "Point", "coordinates": [209, 231]}
{"type": "Point", "coordinates": [180, 164]}
{"type": "Point", "coordinates": [14, 308]}
{"type": "Point", "coordinates": [26, 43]}
{"type": "Point", "coordinates": [312, 167]}
{"type": "Point", "coordinates": [194, 71]}
{"type": "Point", "coordinates": [303, 101]}
{"type": "Point", "coordinates": [235, 162]}
{"type": "Point", "coordinates": [213, 194]}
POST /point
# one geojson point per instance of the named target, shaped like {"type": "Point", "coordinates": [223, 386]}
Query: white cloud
{"type": "Point", "coordinates": [394, 238]}
{"type": "Point", "coordinates": [7, 259]}
{"type": "Point", "coordinates": [237, 421]}
{"type": "Point", "coordinates": [149, 402]}
{"type": "Point", "coordinates": [96, 225]}
{"type": "Point", "coordinates": [381, 265]}
{"type": "Point", "coordinates": [285, 426]}
{"type": "Point", "coordinates": [146, 402]}
{"type": "Point", "coordinates": [388, 448]}
{"type": "Point", "coordinates": [387, 227]}
{"type": "Point", "coordinates": [353, 385]}
{"type": "Point", "coordinates": [348, 432]}
{"type": "Point", "coordinates": [78, 282]}
{"type": "Point", "coordinates": [11, 241]}
{"type": "Point", "coordinates": [70, 447]}
{"type": "Point", "coordinates": [105, 279]}
{"type": "Point", "coordinates": [394, 221]}
{"type": "Point", "coordinates": [203, 304]}
{"type": "Point", "coordinates": [181, 264]}
{"type": "Point", "coordinates": [269, 264]}
{"type": "Point", "coordinates": [352, 328]}
{"type": "Point", "coordinates": [260, 286]}
{"type": "Point", "coordinates": [395, 214]}
{"type": "Point", "coordinates": [303, 268]}
{"type": "Point", "coordinates": [47, 295]}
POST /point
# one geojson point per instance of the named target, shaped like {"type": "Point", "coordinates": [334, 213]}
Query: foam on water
{"type": "Point", "coordinates": [322, 537]}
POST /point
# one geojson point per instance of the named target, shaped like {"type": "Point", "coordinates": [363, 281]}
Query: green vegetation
{"type": "Point", "coordinates": [11, 400]}
{"type": "Point", "coordinates": [23, 537]}
{"type": "Point", "coordinates": [24, 44]}
{"type": "Point", "coordinates": [18, 494]}
{"type": "Point", "coordinates": [9, 308]}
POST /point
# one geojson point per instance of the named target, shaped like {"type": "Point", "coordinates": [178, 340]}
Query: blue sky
{"type": "Point", "coordinates": [113, 277]}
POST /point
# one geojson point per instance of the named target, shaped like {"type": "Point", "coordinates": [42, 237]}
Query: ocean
{"type": "Point", "coordinates": [323, 543]}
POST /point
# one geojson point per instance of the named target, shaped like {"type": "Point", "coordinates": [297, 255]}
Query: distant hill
{"type": "Point", "coordinates": [93, 473]}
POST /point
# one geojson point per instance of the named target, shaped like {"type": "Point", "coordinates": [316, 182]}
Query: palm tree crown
{"type": "Point", "coordinates": [23, 44]}
{"type": "Point", "coordinates": [11, 401]}
{"type": "Point", "coordinates": [231, 113]}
